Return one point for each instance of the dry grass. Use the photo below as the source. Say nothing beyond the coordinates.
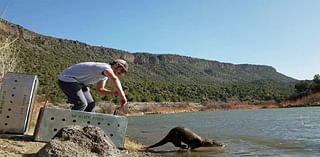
(132, 145)
(109, 108)
(149, 108)
(8, 57)
(105, 107)
(166, 109)
(40, 101)
(209, 106)
(310, 100)
(212, 106)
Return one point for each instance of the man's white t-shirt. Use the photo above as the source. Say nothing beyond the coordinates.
(86, 73)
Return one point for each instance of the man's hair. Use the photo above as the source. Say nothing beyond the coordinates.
(122, 63)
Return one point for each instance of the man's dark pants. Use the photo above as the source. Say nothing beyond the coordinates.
(79, 95)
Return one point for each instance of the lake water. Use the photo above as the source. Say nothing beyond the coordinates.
(292, 132)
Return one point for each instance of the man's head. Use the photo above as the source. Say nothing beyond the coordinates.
(119, 66)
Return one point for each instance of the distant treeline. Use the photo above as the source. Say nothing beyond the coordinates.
(48, 61)
(159, 91)
(306, 87)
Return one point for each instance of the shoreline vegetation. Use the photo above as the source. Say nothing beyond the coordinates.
(147, 108)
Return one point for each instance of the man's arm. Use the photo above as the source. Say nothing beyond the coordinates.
(117, 87)
(101, 90)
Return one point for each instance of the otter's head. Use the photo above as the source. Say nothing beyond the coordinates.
(211, 143)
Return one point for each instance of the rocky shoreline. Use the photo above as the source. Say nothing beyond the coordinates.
(24, 146)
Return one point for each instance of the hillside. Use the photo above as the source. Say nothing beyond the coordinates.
(151, 77)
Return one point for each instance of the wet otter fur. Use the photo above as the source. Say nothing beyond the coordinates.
(186, 139)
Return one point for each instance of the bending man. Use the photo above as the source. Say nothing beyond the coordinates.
(74, 82)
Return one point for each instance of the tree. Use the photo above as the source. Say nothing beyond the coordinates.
(316, 78)
(303, 86)
(8, 58)
(316, 83)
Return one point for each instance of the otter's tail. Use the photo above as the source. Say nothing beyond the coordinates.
(160, 143)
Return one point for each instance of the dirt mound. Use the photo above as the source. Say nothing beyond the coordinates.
(80, 141)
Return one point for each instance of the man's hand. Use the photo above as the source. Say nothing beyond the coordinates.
(123, 102)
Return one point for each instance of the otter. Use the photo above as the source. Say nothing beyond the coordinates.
(185, 138)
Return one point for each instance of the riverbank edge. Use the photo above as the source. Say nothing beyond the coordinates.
(140, 109)
(19, 148)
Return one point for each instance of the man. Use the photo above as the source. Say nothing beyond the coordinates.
(74, 82)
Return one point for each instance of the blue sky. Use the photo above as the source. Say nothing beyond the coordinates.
(284, 34)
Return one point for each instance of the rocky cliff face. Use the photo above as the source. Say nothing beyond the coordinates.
(16, 30)
(186, 66)
(148, 58)
(158, 77)
(137, 58)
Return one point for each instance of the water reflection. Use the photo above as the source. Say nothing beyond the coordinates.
(191, 153)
